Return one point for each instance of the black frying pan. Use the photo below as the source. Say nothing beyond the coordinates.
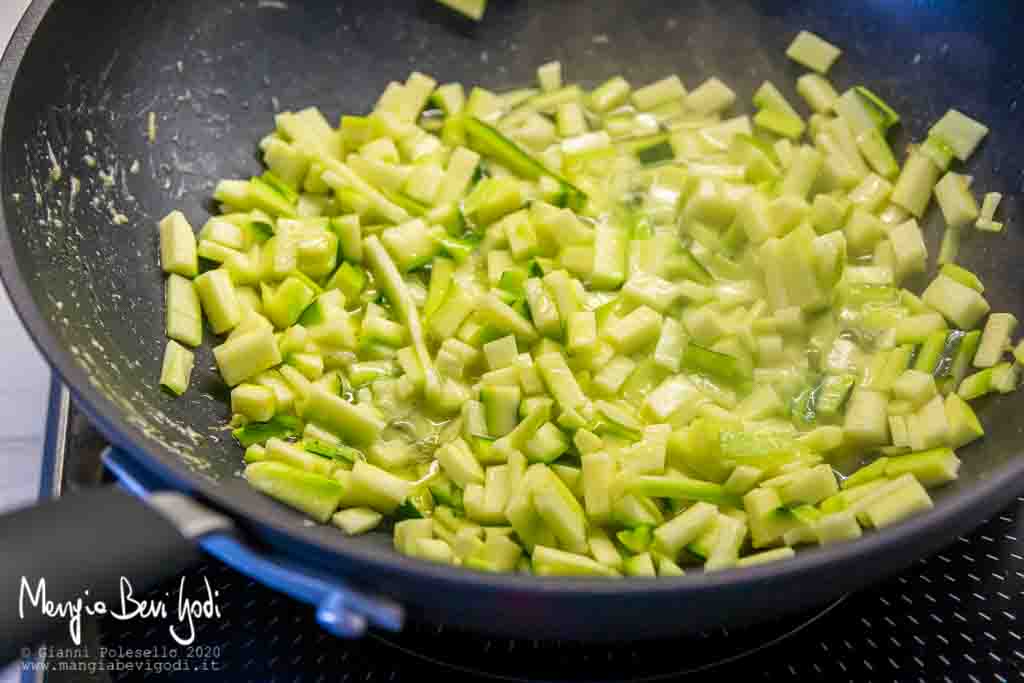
(89, 290)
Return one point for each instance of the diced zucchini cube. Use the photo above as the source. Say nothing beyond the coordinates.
(547, 444)
(424, 182)
(224, 232)
(582, 332)
(176, 368)
(288, 301)
(673, 394)
(658, 93)
(411, 244)
(995, 339)
(636, 331)
(549, 76)
(812, 51)
(253, 401)
(961, 305)
(1005, 377)
(836, 527)
(521, 235)
(566, 293)
(184, 317)
(356, 520)
(501, 406)
(913, 188)
(610, 94)
(357, 424)
(907, 500)
(610, 248)
(491, 199)
(286, 161)
(549, 561)
(909, 249)
(780, 123)
(710, 97)
(178, 245)
(964, 426)
(314, 494)
(915, 387)
(560, 511)
(928, 427)
(316, 254)
(931, 468)
(247, 355)
(829, 212)
(217, 295)
(866, 420)
(459, 464)
(962, 133)
(560, 381)
(611, 377)
(958, 205)
(501, 353)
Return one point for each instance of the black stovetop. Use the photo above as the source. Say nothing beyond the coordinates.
(952, 617)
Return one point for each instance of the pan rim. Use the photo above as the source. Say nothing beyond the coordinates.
(875, 551)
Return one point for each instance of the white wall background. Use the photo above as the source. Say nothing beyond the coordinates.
(24, 390)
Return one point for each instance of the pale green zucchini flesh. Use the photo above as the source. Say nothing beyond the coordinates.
(619, 332)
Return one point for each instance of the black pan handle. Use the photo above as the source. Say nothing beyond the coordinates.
(82, 545)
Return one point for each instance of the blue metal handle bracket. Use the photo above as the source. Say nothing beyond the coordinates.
(340, 609)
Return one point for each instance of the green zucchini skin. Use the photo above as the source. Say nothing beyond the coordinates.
(611, 332)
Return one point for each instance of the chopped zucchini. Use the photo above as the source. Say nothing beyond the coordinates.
(995, 339)
(177, 368)
(813, 52)
(962, 133)
(314, 494)
(578, 333)
(184, 317)
(357, 520)
(178, 245)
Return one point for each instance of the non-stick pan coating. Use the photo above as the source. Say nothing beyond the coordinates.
(82, 267)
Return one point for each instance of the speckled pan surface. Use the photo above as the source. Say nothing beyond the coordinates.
(80, 82)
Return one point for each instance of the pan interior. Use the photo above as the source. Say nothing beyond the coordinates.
(84, 182)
